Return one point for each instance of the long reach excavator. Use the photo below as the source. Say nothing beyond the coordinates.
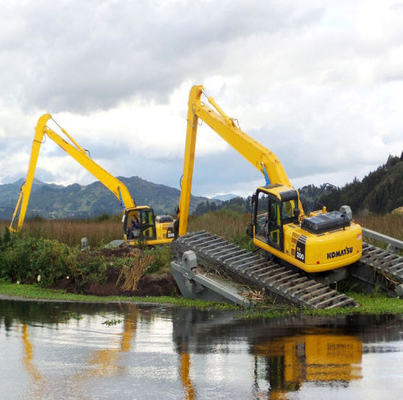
(140, 225)
(300, 251)
(319, 242)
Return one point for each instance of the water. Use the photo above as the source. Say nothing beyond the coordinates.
(124, 351)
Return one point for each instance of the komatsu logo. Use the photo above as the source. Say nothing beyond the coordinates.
(339, 253)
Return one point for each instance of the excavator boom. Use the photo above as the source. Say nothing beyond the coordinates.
(153, 231)
(80, 155)
(259, 156)
(319, 242)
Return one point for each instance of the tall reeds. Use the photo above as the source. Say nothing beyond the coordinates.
(72, 231)
(390, 224)
(227, 224)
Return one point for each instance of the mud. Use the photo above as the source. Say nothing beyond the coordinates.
(149, 285)
(162, 284)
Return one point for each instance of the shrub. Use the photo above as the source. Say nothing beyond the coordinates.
(161, 259)
(16, 259)
(53, 260)
(24, 258)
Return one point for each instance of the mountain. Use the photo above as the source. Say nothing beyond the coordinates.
(379, 192)
(77, 201)
(225, 197)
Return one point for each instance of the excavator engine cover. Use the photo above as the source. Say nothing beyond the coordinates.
(325, 222)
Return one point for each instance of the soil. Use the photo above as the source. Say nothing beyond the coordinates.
(149, 284)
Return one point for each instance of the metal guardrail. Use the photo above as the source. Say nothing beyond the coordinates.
(392, 243)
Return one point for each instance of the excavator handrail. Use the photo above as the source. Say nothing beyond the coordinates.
(259, 156)
(118, 188)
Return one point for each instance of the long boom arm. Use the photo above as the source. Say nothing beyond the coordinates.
(259, 156)
(80, 155)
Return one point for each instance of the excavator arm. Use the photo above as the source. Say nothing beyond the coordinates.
(319, 242)
(80, 155)
(259, 156)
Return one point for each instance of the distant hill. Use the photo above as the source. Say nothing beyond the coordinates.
(77, 201)
(379, 192)
(225, 197)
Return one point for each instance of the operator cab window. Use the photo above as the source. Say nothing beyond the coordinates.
(268, 220)
(288, 211)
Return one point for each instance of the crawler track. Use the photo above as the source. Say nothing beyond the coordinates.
(379, 268)
(279, 282)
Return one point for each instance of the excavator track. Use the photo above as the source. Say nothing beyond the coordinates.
(379, 268)
(281, 283)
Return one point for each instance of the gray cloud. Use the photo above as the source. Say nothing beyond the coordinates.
(318, 83)
(83, 56)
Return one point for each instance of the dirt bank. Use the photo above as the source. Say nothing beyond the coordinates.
(149, 285)
(157, 284)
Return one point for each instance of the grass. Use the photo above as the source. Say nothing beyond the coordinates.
(374, 304)
(72, 231)
(228, 224)
(391, 224)
(369, 304)
(34, 292)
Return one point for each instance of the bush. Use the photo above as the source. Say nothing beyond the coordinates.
(23, 259)
(161, 259)
(53, 260)
(16, 259)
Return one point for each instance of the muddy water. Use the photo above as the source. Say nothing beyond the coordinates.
(87, 351)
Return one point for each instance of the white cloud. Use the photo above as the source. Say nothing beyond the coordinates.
(317, 82)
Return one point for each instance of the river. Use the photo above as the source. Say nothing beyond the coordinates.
(52, 350)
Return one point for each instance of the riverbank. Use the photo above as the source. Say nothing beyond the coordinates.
(11, 291)
(374, 304)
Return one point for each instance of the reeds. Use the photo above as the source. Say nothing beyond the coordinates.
(390, 224)
(227, 224)
(72, 231)
(132, 274)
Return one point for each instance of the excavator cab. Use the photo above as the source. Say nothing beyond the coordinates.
(317, 243)
(153, 229)
(146, 224)
(272, 209)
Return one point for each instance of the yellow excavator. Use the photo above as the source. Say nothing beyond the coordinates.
(318, 242)
(140, 224)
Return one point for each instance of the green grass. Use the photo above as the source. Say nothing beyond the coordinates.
(369, 304)
(375, 304)
(34, 292)
(229, 225)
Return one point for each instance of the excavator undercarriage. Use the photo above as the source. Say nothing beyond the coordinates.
(377, 268)
(309, 252)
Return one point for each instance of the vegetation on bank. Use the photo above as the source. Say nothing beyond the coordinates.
(374, 304)
(36, 292)
(48, 250)
(29, 259)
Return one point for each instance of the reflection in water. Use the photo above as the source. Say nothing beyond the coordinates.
(189, 392)
(37, 383)
(287, 362)
(67, 351)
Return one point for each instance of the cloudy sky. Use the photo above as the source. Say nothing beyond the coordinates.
(319, 83)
